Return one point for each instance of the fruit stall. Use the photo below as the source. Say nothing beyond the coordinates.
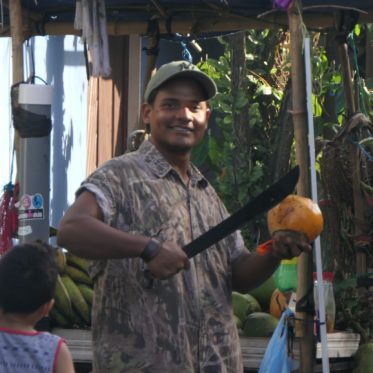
(256, 315)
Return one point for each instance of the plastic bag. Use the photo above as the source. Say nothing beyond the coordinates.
(276, 358)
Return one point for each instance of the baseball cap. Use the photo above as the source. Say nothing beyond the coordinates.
(180, 69)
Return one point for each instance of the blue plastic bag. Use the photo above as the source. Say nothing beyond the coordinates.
(276, 358)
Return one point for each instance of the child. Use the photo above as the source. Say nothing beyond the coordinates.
(28, 275)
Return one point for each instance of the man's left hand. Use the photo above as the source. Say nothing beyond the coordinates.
(287, 244)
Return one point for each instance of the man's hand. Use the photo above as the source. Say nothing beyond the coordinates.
(170, 260)
(287, 244)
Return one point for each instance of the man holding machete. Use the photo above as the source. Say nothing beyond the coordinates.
(133, 216)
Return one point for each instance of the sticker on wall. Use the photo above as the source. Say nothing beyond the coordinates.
(24, 231)
(31, 207)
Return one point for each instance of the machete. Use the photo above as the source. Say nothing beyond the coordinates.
(260, 204)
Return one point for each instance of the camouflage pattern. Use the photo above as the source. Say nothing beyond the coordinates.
(183, 324)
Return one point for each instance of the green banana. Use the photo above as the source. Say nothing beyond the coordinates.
(60, 259)
(77, 262)
(62, 299)
(87, 293)
(77, 300)
(78, 275)
(58, 318)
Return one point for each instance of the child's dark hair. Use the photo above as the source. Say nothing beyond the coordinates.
(28, 276)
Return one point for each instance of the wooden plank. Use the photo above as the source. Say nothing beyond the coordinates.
(118, 46)
(105, 121)
(92, 125)
(15, 17)
(200, 25)
(79, 342)
(134, 83)
(342, 345)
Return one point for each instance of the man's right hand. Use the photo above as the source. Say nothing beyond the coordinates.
(170, 260)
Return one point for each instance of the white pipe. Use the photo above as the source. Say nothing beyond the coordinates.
(311, 145)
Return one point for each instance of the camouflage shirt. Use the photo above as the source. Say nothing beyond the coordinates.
(185, 323)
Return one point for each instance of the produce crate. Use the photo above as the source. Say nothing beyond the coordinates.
(340, 345)
(79, 342)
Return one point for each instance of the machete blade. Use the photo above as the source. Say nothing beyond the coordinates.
(260, 204)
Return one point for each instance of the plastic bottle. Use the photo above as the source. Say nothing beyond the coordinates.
(286, 275)
(328, 278)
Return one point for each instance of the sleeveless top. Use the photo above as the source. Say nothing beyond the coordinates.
(29, 352)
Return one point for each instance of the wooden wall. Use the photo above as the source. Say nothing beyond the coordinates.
(114, 102)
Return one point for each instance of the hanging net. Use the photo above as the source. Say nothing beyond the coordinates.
(8, 216)
(338, 169)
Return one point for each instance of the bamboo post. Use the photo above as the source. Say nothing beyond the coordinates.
(359, 202)
(304, 314)
(15, 16)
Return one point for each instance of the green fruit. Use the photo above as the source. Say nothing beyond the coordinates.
(263, 293)
(78, 275)
(62, 299)
(87, 293)
(259, 324)
(58, 319)
(77, 299)
(254, 305)
(364, 359)
(243, 304)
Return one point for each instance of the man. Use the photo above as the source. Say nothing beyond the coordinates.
(133, 215)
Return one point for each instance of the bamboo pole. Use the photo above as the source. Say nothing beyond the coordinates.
(15, 16)
(304, 324)
(358, 198)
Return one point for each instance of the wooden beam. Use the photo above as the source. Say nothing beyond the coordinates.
(134, 84)
(15, 16)
(187, 26)
(92, 126)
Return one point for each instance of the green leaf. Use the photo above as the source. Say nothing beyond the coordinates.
(200, 151)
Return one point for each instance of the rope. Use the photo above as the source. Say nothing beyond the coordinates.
(364, 150)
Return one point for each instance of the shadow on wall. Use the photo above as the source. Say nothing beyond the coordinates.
(65, 67)
(61, 158)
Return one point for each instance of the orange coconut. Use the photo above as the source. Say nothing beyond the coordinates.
(296, 213)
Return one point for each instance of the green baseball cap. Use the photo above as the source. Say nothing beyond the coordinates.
(180, 69)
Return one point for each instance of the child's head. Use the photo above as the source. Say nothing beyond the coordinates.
(28, 275)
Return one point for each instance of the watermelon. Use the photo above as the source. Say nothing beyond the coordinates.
(364, 358)
(259, 324)
(244, 304)
(263, 293)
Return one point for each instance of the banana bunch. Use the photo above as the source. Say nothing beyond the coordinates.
(74, 292)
